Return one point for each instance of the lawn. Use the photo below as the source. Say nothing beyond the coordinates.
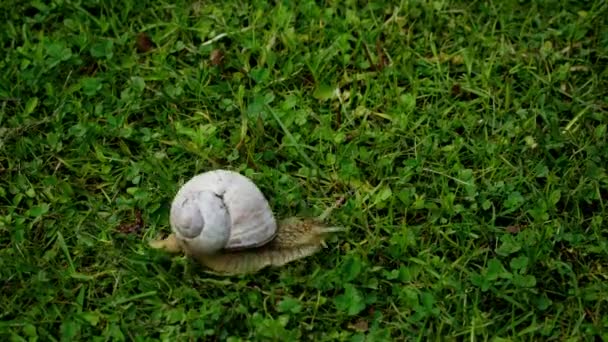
(467, 139)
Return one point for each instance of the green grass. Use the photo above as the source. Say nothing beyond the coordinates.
(469, 139)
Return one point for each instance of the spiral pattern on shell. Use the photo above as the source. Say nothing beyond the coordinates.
(221, 209)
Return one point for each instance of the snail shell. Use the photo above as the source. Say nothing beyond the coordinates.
(221, 210)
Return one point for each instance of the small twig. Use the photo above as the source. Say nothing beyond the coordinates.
(447, 176)
(329, 210)
(369, 57)
(222, 35)
(342, 110)
(574, 120)
(382, 61)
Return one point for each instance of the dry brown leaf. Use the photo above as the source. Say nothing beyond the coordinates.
(134, 227)
(514, 229)
(144, 42)
(217, 57)
(360, 325)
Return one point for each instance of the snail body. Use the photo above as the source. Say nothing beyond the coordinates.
(221, 219)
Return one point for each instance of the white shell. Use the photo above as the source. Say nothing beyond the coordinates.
(221, 209)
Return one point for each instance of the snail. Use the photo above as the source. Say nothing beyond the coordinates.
(221, 219)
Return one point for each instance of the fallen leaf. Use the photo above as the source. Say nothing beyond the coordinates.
(513, 229)
(134, 227)
(456, 89)
(576, 68)
(360, 326)
(457, 59)
(217, 57)
(144, 42)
